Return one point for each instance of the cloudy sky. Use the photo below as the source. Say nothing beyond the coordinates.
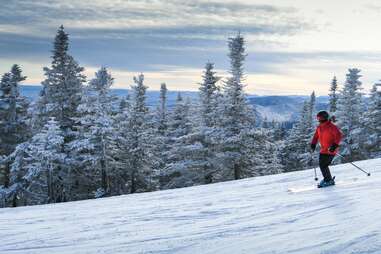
(293, 46)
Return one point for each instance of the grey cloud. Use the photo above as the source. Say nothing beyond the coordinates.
(232, 7)
(193, 31)
(184, 32)
(47, 13)
(139, 53)
(38, 12)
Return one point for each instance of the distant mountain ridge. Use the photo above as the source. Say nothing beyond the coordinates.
(281, 108)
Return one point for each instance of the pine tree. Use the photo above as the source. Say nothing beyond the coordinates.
(296, 151)
(162, 110)
(92, 149)
(137, 153)
(235, 121)
(121, 179)
(36, 175)
(296, 142)
(311, 112)
(206, 123)
(161, 133)
(124, 104)
(209, 94)
(372, 123)
(60, 97)
(62, 88)
(333, 96)
(349, 112)
(14, 127)
(279, 131)
(179, 171)
(236, 110)
(262, 153)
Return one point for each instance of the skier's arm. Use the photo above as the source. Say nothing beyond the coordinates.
(314, 141)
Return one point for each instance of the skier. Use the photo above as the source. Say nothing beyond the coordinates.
(329, 137)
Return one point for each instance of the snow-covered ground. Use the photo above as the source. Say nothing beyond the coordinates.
(254, 215)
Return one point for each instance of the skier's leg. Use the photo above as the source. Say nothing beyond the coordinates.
(329, 161)
(324, 161)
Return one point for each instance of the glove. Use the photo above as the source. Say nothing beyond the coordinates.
(313, 147)
(333, 147)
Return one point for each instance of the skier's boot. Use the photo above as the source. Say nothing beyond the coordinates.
(324, 183)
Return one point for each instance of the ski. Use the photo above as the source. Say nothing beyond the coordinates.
(314, 187)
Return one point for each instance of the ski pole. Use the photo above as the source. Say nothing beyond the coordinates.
(368, 173)
(316, 178)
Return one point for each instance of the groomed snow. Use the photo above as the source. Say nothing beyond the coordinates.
(254, 215)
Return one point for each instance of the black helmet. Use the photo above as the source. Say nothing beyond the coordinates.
(323, 115)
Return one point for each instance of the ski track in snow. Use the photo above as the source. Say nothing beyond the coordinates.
(255, 215)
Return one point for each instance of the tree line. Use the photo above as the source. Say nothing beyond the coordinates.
(78, 141)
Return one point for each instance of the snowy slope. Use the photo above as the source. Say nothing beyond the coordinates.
(255, 215)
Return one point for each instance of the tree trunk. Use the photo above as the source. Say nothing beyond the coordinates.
(133, 181)
(104, 175)
(7, 173)
(14, 201)
(103, 166)
(237, 172)
(12, 109)
(49, 186)
(208, 176)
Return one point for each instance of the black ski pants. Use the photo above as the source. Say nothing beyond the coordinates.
(324, 161)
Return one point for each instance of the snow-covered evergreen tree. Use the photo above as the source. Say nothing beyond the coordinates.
(62, 88)
(179, 171)
(36, 173)
(94, 145)
(162, 110)
(333, 96)
(14, 127)
(205, 125)
(297, 142)
(296, 153)
(137, 143)
(60, 97)
(349, 112)
(262, 153)
(124, 104)
(277, 130)
(120, 157)
(311, 112)
(209, 94)
(161, 133)
(372, 123)
(236, 120)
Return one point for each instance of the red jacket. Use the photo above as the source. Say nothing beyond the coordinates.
(327, 134)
